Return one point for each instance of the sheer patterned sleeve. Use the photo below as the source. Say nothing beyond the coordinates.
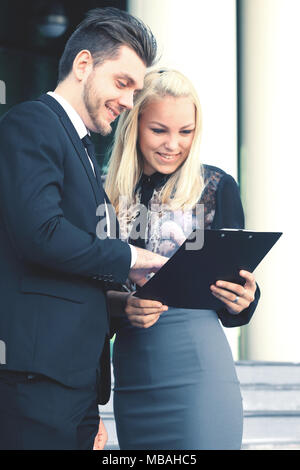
(229, 210)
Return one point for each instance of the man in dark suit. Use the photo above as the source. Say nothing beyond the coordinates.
(54, 269)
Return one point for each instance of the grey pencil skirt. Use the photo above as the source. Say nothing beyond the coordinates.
(176, 386)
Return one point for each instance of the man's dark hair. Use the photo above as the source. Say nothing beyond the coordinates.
(102, 32)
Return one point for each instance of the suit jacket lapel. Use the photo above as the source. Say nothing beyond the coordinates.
(78, 145)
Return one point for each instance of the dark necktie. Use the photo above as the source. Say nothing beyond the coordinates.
(91, 153)
(87, 142)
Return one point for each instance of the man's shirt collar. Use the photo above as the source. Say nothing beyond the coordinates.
(72, 114)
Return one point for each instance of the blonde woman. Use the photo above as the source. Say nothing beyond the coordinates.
(175, 380)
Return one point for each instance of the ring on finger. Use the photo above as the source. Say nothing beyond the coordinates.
(235, 301)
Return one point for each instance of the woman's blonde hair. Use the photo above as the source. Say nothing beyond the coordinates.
(185, 185)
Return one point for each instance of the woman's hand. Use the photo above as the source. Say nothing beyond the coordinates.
(236, 297)
(143, 313)
(101, 437)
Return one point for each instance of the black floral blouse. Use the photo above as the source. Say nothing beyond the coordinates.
(165, 230)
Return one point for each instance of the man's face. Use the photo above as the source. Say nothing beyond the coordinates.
(109, 89)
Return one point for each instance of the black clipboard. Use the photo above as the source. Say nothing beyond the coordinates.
(184, 281)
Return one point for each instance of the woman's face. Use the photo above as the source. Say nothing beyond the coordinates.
(166, 132)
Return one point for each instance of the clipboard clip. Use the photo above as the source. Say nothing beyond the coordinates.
(236, 230)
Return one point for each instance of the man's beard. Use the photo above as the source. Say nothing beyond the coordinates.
(93, 104)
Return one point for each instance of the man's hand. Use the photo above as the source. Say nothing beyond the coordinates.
(143, 313)
(146, 263)
(101, 437)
